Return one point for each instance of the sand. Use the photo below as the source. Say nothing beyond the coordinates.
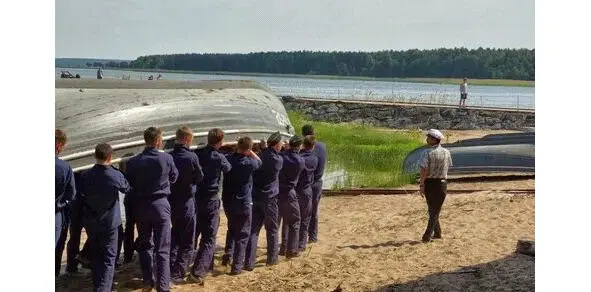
(371, 243)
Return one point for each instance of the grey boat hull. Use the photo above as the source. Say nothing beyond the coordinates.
(493, 153)
(117, 112)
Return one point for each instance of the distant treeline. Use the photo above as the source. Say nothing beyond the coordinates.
(518, 64)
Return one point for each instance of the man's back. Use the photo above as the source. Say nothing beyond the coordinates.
(266, 178)
(321, 153)
(99, 195)
(307, 175)
(213, 163)
(190, 173)
(238, 181)
(293, 165)
(64, 184)
(151, 173)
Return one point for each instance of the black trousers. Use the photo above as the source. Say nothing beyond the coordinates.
(435, 192)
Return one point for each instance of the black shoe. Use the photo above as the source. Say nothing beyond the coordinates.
(272, 263)
(281, 252)
(249, 268)
(235, 272)
(195, 279)
(312, 240)
(291, 255)
(436, 237)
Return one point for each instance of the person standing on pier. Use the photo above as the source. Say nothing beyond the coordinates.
(65, 192)
(304, 188)
(101, 215)
(213, 163)
(463, 93)
(321, 153)
(182, 203)
(433, 183)
(265, 203)
(151, 174)
(289, 208)
(237, 200)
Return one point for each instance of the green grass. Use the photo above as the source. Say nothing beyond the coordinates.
(485, 82)
(371, 158)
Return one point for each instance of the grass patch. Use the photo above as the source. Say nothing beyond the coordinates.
(370, 157)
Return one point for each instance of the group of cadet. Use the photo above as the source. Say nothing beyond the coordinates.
(173, 199)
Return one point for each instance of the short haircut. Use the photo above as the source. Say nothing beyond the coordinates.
(309, 141)
(102, 151)
(307, 130)
(151, 135)
(215, 136)
(244, 143)
(183, 133)
(295, 142)
(60, 137)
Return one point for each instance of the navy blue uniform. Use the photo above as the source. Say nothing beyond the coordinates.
(150, 174)
(237, 199)
(320, 152)
(265, 207)
(101, 217)
(305, 194)
(65, 192)
(213, 163)
(289, 207)
(182, 201)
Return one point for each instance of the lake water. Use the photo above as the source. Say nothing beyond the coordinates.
(486, 96)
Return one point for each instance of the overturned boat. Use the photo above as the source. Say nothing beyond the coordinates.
(496, 153)
(117, 112)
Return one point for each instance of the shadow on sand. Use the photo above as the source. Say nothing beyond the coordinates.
(512, 273)
(390, 243)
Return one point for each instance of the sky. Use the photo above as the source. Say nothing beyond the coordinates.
(127, 29)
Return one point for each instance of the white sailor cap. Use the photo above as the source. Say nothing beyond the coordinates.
(435, 134)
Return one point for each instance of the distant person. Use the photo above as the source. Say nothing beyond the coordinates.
(65, 192)
(433, 184)
(159, 76)
(182, 203)
(150, 174)
(265, 203)
(99, 198)
(321, 153)
(237, 200)
(213, 163)
(304, 188)
(289, 207)
(99, 73)
(463, 93)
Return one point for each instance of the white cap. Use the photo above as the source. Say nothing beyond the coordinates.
(435, 134)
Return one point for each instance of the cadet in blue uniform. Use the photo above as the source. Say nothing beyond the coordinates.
(150, 174)
(237, 198)
(65, 191)
(213, 163)
(265, 205)
(289, 208)
(304, 188)
(320, 152)
(182, 202)
(129, 244)
(101, 215)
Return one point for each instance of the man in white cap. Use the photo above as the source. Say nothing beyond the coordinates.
(434, 165)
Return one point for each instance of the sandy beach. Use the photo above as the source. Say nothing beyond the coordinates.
(372, 243)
